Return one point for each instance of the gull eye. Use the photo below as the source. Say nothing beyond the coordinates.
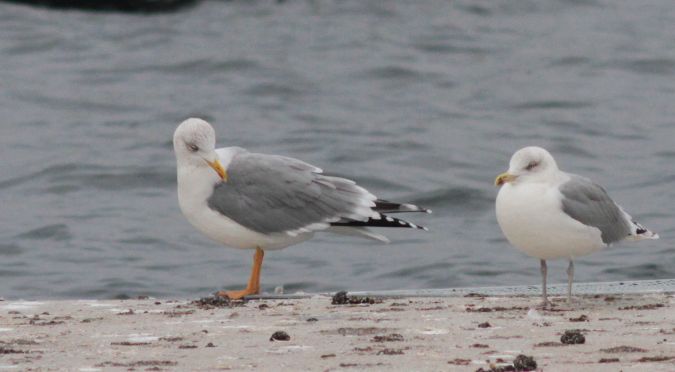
(531, 165)
(192, 147)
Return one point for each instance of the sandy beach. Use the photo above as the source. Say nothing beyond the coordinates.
(466, 333)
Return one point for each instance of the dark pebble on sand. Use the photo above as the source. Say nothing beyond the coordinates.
(524, 363)
(213, 302)
(394, 337)
(484, 325)
(280, 336)
(390, 352)
(210, 344)
(341, 298)
(572, 337)
(581, 318)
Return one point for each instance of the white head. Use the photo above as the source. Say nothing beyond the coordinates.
(529, 163)
(194, 143)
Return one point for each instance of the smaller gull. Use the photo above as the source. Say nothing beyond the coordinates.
(265, 202)
(548, 214)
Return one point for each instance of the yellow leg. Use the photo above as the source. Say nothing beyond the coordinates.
(253, 286)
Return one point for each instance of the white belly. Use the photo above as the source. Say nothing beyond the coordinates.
(532, 220)
(225, 231)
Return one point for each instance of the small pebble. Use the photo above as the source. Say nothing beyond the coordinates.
(341, 298)
(524, 363)
(280, 336)
(581, 318)
(572, 337)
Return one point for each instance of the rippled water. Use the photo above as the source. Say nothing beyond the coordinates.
(418, 102)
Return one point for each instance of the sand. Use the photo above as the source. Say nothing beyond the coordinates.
(464, 333)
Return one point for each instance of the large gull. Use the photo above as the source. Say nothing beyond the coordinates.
(548, 214)
(264, 202)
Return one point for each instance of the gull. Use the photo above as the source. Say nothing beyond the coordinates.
(549, 214)
(266, 202)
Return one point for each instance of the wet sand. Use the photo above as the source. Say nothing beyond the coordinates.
(465, 333)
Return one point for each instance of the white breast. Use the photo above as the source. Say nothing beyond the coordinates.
(531, 217)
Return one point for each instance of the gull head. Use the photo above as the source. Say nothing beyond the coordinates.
(528, 164)
(194, 143)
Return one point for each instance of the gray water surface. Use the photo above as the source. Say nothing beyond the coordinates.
(421, 102)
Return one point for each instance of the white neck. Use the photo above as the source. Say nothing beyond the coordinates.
(193, 194)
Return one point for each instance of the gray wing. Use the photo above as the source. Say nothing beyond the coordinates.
(589, 204)
(274, 194)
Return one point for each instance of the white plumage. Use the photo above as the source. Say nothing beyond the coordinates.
(264, 202)
(549, 214)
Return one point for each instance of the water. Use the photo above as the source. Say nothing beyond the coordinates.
(417, 102)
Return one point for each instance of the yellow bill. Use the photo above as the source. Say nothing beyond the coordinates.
(218, 168)
(504, 178)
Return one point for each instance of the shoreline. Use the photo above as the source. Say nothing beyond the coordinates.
(465, 332)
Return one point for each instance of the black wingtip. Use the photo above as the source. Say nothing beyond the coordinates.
(383, 221)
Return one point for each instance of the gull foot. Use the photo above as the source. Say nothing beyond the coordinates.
(236, 295)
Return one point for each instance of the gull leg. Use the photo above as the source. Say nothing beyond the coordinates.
(258, 257)
(544, 297)
(253, 286)
(570, 279)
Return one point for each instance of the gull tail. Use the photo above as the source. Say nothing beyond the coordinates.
(349, 226)
(639, 232)
(358, 231)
